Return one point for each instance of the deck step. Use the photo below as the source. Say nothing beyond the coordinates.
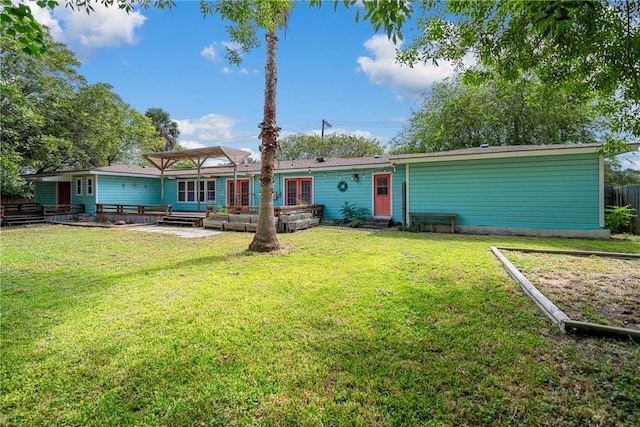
(22, 220)
(182, 221)
(375, 223)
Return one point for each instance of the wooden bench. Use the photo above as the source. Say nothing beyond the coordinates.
(427, 215)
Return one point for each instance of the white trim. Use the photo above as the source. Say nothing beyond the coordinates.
(75, 187)
(96, 190)
(373, 195)
(90, 187)
(601, 190)
(406, 195)
(497, 155)
(196, 190)
(133, 175)
(360, 168)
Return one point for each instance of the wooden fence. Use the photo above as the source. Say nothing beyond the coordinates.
(623, 195)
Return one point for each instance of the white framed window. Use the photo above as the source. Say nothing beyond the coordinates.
(79, 187)
(187, 191)
(89, 186)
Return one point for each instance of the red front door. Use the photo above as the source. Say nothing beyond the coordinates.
(64, 193)
(382, 195)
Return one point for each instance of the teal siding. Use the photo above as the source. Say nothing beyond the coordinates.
(128, 190)
(325, 190)
(89, 201)
(545, 192)
(170, 192)
(46, 193)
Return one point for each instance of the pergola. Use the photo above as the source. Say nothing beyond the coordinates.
(165, 159)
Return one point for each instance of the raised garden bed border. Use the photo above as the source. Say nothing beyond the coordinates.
(556, 315)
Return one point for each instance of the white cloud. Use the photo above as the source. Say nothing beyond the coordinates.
(231, 45)
(207, 130)
(82, 32)
(209, 52)
(255, 155)
(44, 17)
(382, 69)
(188, 145)
(211, 130)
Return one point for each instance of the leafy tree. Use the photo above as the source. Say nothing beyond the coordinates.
(17, 22)
(312, 146)
(247, 18)
(590, 48)
(52, 120)
(615, 175)
(37, 101)
(110, 131)
(495, 112)
(166, 128)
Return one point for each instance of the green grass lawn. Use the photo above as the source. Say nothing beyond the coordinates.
(342, 327)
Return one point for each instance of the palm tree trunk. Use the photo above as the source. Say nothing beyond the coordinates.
(265, 239)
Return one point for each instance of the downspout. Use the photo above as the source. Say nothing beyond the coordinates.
(601, 206)
(407, 201)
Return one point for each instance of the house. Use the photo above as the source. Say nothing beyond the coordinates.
(549, 190)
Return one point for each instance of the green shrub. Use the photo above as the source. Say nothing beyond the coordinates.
(618, 219)
(353, 216)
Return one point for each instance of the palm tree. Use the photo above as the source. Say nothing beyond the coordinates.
(166, 128)
(248, 16)
(265, 239)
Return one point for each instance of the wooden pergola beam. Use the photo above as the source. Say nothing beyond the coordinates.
(165, 159)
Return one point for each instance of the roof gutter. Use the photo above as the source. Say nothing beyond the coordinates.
(439, 157)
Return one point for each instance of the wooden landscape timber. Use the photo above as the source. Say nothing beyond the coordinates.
(558, 317)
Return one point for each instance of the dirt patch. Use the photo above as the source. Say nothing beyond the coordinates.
(591, 289)
(184, 232)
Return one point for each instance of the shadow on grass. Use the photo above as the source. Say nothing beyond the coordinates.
(35, 302)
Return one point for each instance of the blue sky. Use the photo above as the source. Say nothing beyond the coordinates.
(329, 67)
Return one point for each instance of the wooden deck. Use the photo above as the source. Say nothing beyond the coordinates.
(23, 214)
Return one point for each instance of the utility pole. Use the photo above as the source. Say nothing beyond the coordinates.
(324, 123)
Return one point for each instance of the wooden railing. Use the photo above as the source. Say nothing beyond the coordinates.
(18, 209)
(62, 209)
(316, 210)
(228, 209)
(133, 209)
